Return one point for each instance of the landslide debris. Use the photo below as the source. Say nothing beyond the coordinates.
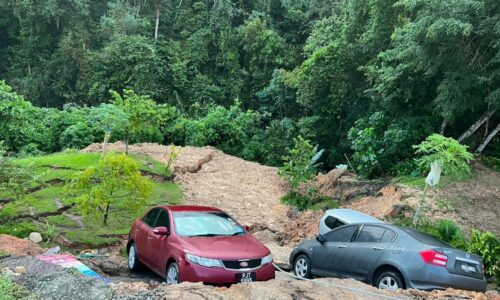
(18, 247)
(51, 282)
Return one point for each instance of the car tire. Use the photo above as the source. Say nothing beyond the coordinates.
(173, 275)
(302, 266)
(389, 280)
(133, 258)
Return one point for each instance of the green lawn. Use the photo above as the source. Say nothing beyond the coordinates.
(56, 169)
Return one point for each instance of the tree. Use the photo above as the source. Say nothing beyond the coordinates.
(107, 118)
(143, 116)
(115, 184)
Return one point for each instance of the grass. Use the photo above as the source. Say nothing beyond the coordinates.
(10, 290)
(62, 166)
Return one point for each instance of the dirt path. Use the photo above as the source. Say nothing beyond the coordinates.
(247, 190)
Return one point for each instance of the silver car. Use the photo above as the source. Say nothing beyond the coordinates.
(388, 257)
(334, 218)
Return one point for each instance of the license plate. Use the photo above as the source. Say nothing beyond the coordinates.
(468, 267)
(246, 277)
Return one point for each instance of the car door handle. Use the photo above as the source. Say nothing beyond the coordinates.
(377, 248)
(150, 237)
(341, 246)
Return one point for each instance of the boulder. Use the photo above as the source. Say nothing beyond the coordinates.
(35, 237)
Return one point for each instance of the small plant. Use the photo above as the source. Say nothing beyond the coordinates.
(487, 245)
(116, 184)
(300, 165)
(10, 290)
(14, 179)
(173, 153)
(50, 231)
(452, 155)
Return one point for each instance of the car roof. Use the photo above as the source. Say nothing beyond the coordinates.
(351, 216)
(189, 208)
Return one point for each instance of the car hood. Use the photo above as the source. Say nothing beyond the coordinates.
(225, 247)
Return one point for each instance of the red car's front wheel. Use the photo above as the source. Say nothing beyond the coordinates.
(172, 273)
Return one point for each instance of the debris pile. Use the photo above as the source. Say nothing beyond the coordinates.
(18, 247)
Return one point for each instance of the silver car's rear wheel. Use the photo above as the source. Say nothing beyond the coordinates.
(172, 274)
(389, 281)
(302, 267)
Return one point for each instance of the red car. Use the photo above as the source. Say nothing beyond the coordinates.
(197, 243)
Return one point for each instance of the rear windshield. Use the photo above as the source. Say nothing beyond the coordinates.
(425, 238)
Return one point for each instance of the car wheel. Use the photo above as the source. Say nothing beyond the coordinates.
(133, 259)
(302, 266)
(389, 281)
(172, 274)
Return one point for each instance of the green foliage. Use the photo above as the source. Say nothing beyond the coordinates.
(100, 188)
(300, 163)
(9, 290)
(143, 116)
(453, 156)
(76, 136)
(18, 229)
(15, 180)
(487, 245)
(312, 201)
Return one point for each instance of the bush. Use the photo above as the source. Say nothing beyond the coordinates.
(76, 136)
(487, 245)
(312, 201)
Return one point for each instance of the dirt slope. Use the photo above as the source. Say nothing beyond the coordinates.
(248, 191)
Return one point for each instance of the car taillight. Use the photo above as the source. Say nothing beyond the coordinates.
(434, 258)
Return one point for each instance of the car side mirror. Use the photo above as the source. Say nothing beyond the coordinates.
(246, 227)
(162, 230)
(320, 238)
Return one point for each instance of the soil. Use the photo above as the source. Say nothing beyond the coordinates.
(251, 193)
(18, 247)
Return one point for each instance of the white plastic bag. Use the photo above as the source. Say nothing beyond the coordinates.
(435, 173)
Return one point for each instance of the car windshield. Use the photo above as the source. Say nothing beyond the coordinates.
(205, 224)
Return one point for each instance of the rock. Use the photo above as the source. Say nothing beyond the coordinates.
(35, 237)
(53, 251)
(19, 269)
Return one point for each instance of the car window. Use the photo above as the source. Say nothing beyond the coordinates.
(333, 223)
(342, 234)
(150, 218)
(370, 234)
(388, 236)
(425, 238)
(163, 220)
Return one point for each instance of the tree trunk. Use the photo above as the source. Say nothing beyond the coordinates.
(157, 24)
(107, 135)
(126, 145)
(443, 127)
(476, 125)
(106, 213)
(488, 139)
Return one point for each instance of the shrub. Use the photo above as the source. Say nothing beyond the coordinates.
(453, 156)
(487, 245)
(76, 136)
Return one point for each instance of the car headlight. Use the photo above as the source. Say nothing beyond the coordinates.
(267, 259)
(203, 261)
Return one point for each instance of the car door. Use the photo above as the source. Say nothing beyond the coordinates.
(159, 250)
(366, 250)
(143, 229)
(330, 257)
